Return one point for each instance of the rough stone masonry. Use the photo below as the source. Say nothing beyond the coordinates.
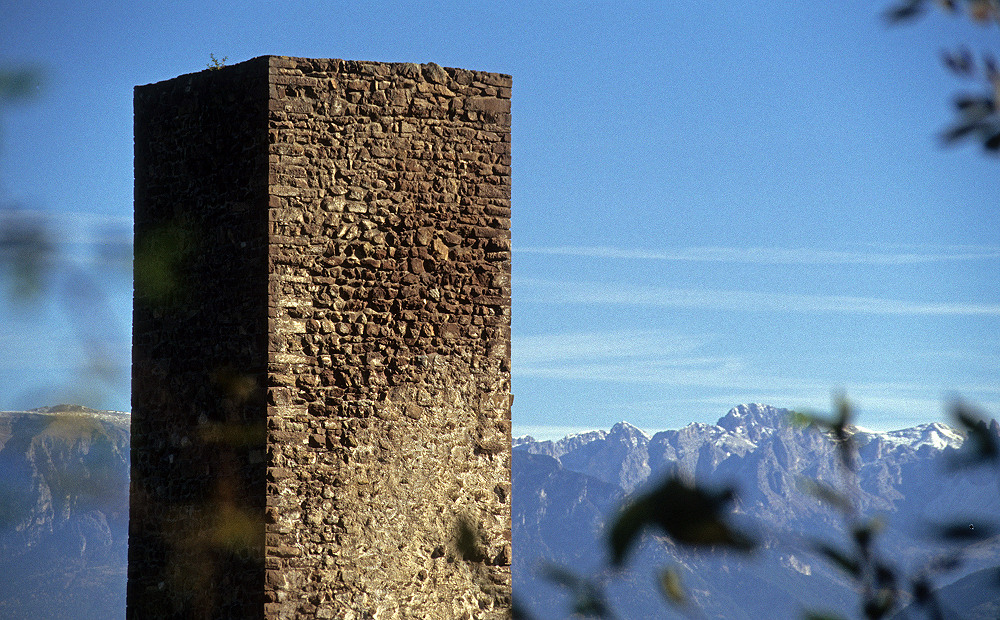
(321, 346)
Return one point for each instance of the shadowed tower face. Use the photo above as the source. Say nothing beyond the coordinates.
(321, 347)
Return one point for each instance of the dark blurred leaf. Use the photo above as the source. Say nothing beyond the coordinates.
(981, 105)
(923, 596)
(864, 535)
(687, 514)
(844, 441)
(562, 577)
(587, 599)
(945, 563)
(237, 387)
(880, 604)
(19, 83)
(990, 67)
(27, 253)
(517, 612)
(921, 590)
(981, 443)
(992, 143)
(801, 419)
(159, 256)
(840, 427)
(848, 564)
(959, 131)
(885, 577)
(959, 62)
(628, 525)
(964, 531)
(904, 11)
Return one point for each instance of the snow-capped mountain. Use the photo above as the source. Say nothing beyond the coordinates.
(564, 492)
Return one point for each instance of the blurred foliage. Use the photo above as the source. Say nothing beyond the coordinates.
(38, 266)
(981, 444)
(977, 114)
(695, 517)
(688, 514)
(159, 257)
(27, 254)
(586, 597)
(215, 63)
(19, 84)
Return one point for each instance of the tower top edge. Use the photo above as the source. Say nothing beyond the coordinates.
(275, 64)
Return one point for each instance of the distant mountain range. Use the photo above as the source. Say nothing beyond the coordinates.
(64, 515)
(564, 492)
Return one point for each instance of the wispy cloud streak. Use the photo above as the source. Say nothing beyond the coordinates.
(775, 256)
(741, 301)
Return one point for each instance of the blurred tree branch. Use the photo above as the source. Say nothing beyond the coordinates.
(977, 114)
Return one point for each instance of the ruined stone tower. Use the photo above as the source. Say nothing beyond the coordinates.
(321, 347)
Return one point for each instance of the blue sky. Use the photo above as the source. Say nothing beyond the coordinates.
(713, 203)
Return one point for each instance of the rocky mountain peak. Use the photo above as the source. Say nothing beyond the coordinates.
(626, 433)
(753, 417)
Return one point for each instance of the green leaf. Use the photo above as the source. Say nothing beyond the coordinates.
(687, 514)
(670, 585)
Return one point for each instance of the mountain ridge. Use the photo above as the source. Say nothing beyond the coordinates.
(902, 478)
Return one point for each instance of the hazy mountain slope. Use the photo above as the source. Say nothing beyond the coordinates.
(63, 513)
(64, 500)
(901, 478)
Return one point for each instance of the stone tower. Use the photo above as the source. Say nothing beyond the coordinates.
(321, 346)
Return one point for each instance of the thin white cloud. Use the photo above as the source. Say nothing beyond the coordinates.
(741, 301)
(700, 386)
(623, 344)
(776, 256)
(622, 356)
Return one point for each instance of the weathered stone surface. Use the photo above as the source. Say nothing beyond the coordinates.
(361, 288)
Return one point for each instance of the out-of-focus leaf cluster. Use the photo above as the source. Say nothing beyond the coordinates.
(982, 11)
(27, 254)
(839, 428)
(586, 597)
(882, 587)
(688, 514)
(977, 114)
(981, 444)
(19, 84)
